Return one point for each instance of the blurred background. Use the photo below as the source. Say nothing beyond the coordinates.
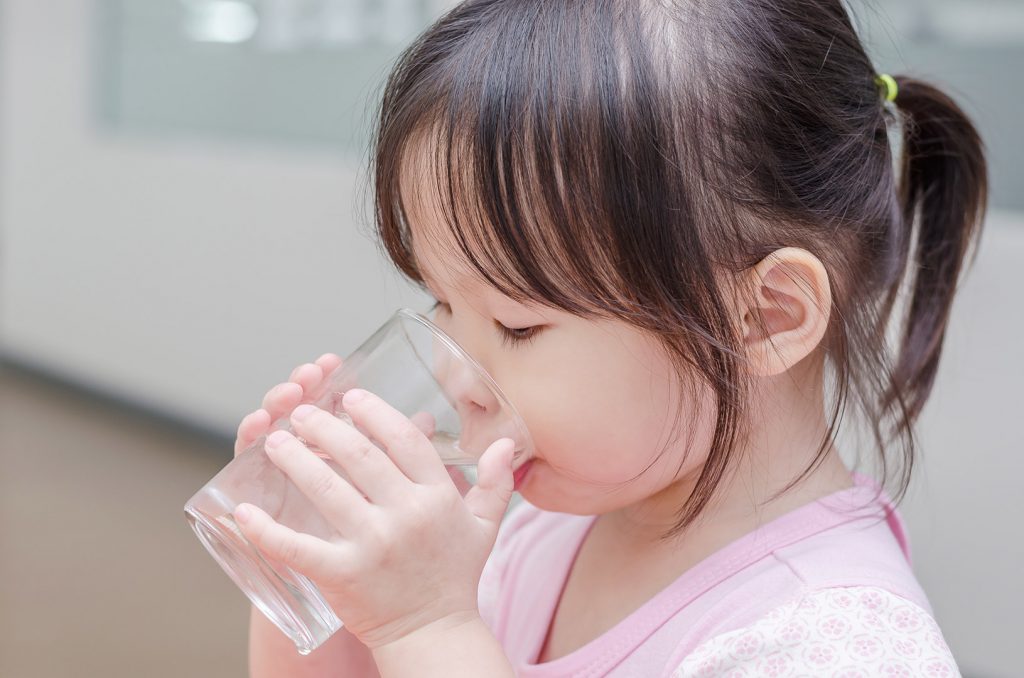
(183, 220)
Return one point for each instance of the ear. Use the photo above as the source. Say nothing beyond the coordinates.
(784, 306)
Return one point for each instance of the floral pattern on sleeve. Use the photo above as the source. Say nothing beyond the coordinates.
(849, 632)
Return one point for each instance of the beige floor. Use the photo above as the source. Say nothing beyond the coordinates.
(100, 574)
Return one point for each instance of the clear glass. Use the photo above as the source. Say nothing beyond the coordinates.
(420, 371)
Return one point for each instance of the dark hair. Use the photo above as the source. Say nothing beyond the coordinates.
(607, 157)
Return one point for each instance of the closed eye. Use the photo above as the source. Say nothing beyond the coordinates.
(513, 336)
(516, 336)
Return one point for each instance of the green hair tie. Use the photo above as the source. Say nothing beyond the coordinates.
(889, 82)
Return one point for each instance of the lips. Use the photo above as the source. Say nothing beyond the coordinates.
(520, 474)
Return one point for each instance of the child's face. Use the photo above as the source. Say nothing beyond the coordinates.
(597, 396)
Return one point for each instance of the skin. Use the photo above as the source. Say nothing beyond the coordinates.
(464, 641)
(271, 653)
(575, 376)
(594, 448)
(588, 392)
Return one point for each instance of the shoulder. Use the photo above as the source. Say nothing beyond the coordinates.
(867, 545)
(846, 632)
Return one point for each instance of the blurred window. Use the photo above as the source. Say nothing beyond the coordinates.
(297, 72)
(307, 72)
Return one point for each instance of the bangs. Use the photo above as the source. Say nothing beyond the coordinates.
(546, 182)
(491, 218)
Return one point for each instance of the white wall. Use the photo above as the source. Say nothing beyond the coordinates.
(966, 506)
(191, 277)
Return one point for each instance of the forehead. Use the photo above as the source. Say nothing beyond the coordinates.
(440, 221)
(441, 263)
(433, 243)
(441, 268)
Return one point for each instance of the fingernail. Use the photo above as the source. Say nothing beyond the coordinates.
(510, 448)
(276, 438)
(355, 395)
(303, 411)
(243, 513)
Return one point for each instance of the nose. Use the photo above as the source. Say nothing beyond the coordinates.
(481, 418)
(467, 391)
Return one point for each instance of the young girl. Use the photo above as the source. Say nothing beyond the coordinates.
(673, 232)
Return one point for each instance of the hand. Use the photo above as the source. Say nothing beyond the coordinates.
(283, 398)
(304, 380)
(411, 548)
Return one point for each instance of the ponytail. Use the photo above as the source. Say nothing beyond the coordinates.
(943, 184)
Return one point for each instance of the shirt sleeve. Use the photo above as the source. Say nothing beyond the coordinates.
(848, 632)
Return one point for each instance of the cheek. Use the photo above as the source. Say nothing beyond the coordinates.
(592, 464)
(600, 415)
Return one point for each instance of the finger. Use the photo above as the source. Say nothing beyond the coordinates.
(252, 426)
(328, 362)
(459, 479)
(339, 503)
(314, 377)
(405, 443)
(307, 375)
(489, 498)
(425, 422)
(305, 553)
(366, 465)
(282, 399)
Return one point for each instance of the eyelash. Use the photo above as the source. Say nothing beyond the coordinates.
(509, 336)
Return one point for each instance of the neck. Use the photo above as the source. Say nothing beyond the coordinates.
(786, 432)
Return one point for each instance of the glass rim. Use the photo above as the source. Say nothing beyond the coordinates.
(453, 346)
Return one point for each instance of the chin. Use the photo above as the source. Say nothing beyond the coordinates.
(543, 502)
(551, 499)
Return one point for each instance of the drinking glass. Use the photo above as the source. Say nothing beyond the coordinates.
(420, 371)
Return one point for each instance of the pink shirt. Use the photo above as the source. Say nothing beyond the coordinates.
(824, 590)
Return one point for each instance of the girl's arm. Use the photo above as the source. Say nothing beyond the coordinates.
(456, 648)
(273, 655)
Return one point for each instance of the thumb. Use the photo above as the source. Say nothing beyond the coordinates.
(489, 498)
